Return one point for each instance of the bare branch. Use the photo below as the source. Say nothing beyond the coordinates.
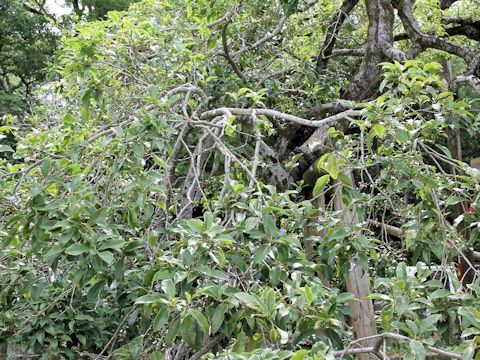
(347, 114)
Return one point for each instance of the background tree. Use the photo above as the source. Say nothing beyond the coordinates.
(27, 44)
(97, 9)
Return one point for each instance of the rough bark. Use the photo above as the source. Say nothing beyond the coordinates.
(380, 48)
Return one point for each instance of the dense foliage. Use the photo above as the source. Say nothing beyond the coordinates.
(193, 185)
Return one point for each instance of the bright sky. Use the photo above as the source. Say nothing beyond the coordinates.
(58, 7)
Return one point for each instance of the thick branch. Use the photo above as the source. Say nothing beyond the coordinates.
(445, 4)
(468, 28)
(282, 116)
(422, 41)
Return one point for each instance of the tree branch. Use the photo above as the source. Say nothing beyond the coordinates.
(347, 114)
(226, 52)
(263, 40)
(332, 33)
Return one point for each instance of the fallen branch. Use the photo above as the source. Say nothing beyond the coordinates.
(393, 336)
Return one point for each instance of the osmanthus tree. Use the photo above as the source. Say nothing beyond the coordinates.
(209, 179)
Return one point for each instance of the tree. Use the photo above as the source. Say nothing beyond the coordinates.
(212, 179)
(97, 9)
(27, 44)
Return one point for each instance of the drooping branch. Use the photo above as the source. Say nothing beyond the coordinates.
(226, 52)
(263, 40)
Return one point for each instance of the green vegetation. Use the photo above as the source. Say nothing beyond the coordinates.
(209, 179)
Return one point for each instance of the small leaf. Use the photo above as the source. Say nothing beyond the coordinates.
(379, 130)
(320, 184)
(6, 148)
(401, 136)
(149, 299)
(201, 320)
(418, 349)
(168, 288)
(260, 253)
(77, 249)
(218, 317)
(106, 256)
(161, 319)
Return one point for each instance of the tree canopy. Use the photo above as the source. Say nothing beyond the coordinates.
(285, 179)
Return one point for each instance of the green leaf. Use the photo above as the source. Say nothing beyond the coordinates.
(240, 343)
(160, 319)
(6, 148)
(201, 320)
(260, 253)
(270, 225)
(249, 300)
(469, 352)
(320, 184)
(156, 355)
(218, 317)
(300, 355)
(401, 136)
(418, 349)
(77, 249)
(149, 299)
(379, 130)
(188, 331)
(115, 244)
(332, 166)
(172, 332)
(428, 323)
(168, 288)
(106, 256)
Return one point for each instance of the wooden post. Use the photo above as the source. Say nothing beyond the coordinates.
(312, 229)
(358, 283)
(454, 144)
